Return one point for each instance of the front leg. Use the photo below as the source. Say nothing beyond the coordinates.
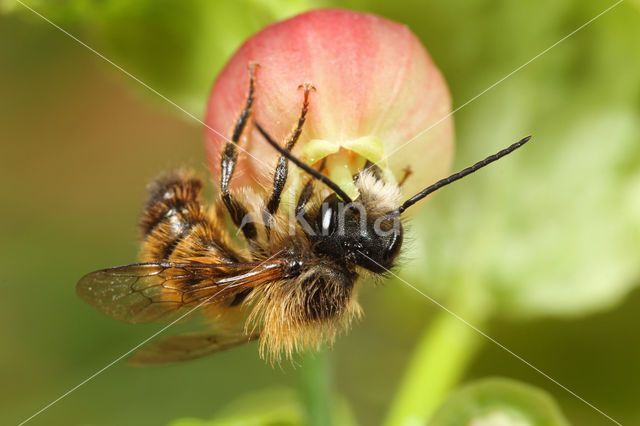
(307, 192)
(229, 160)
(280, 176)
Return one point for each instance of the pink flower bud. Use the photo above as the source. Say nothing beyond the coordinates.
(376, 89)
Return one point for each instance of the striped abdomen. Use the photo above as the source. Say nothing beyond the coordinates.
(175, 225)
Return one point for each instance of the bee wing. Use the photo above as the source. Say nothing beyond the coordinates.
(145, 292)
(187, 346)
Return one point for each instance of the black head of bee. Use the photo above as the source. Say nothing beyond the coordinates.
(344, 230)
(349, 232)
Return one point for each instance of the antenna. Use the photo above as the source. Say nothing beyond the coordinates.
(462, 173)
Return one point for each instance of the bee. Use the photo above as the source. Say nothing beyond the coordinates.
(293, 286)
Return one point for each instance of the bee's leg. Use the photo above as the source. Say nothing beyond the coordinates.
(305, 196)
(228, 164)
(280, 176)
(307, 192)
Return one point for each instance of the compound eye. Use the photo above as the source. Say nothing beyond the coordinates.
(328, 218)
(393, 248)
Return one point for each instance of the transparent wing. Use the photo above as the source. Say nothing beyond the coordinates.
(187, 346)
(145, 292)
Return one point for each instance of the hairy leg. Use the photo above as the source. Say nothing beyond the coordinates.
(230, 158)
(307, 192)
(280, 176)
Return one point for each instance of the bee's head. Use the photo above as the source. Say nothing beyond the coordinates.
(367, 231)
(357, 234)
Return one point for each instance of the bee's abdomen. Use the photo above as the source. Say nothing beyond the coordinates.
(170, 197)
(175, 225)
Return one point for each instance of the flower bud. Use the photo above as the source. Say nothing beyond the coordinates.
(376, 89)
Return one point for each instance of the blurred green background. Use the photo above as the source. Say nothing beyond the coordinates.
(540, 252)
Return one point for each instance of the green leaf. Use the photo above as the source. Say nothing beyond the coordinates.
(499, 401)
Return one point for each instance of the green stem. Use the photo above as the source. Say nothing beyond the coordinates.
(439, 361)
(315, 386)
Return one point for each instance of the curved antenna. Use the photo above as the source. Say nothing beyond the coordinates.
(462, 173)
(314, 173)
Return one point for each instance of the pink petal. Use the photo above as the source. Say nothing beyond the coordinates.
(373, 78)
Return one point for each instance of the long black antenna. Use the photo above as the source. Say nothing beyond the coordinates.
(462, 173)
(314, 173)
